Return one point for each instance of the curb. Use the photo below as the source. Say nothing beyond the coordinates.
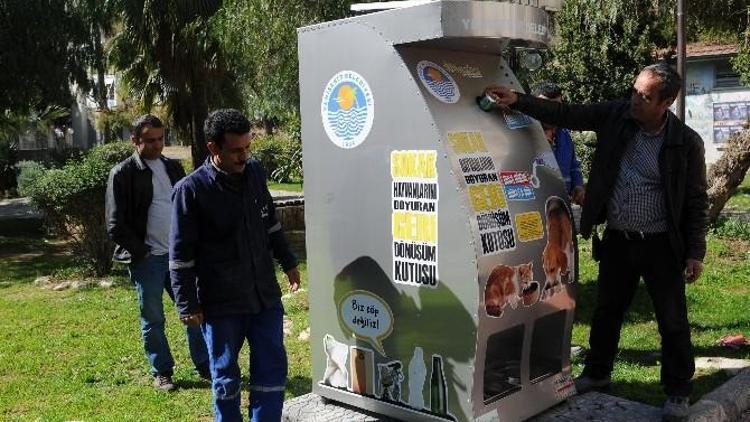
(725, 403)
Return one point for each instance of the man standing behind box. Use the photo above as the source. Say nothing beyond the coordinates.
(648, 181)
(138, 210)
(223, 241)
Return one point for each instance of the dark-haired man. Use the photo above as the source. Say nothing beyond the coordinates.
(648, 182)
(562, 145)
(138, 209)
(224, 238)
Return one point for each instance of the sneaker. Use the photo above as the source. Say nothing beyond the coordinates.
(585, 383)
(675, 409)
(204, 371)
(164, 383)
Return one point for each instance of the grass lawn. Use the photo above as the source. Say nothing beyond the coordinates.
(77, 355)
(289, 187)
(741, 199)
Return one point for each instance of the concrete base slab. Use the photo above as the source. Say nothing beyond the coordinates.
(600, 407)
(730, 366)
(587, 407)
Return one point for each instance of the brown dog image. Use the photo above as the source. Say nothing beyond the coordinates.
(509, 285)
(557, 258)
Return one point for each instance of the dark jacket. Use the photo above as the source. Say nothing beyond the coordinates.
(129, 194)
(681, 164)
(223, 240)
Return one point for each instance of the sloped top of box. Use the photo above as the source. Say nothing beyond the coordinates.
(454, 19)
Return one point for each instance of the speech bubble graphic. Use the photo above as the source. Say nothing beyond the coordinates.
(367, 317)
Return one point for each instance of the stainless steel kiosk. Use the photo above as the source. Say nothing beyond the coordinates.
(440, 245)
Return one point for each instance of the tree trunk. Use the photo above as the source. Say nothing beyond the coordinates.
(199, 113)
(726, 174)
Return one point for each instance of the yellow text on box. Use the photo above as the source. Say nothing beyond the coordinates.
(487, 197)
(415, 227)
(529, 226)
(466, 142)
(414, 164)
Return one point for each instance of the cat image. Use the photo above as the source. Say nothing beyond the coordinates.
(508, 285)
(558, 257)
(336, 374)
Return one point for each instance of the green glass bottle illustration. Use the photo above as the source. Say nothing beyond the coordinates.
(438, 398)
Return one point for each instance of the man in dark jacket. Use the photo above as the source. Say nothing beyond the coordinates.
(224, 238)
(138, 212)
(648, 182)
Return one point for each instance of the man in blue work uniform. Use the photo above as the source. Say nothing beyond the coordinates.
(562, 145)
(224, 239)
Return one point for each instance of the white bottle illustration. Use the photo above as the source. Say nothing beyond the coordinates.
(417, 377)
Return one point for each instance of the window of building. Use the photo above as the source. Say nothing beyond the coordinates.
(725, 76)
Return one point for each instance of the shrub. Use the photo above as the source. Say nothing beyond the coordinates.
(72, 199)
(585, 143)
(281, 157)
(28, 173)
(732, 228)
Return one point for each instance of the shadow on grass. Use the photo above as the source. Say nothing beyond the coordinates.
(652, 393)
(299, 385)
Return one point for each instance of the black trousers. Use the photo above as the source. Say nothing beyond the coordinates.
(623, 262)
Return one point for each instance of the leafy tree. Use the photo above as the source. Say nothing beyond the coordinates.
(167, 53)
(39, 57)
(600, 46)
(261, 38)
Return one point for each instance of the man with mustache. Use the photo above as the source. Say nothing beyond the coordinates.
(224, 240)
(648, 182)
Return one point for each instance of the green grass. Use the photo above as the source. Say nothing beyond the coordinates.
(740, 201)
(289, 187)
(718, 304)
(77, 355)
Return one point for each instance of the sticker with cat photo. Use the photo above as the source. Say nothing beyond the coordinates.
(508, 286)
(558, 257)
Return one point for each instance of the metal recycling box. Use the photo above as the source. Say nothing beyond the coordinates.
(440, 245)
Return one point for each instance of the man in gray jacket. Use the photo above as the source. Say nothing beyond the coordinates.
(648, 182)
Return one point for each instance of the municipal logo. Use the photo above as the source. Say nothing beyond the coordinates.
(438, 81)
(347, 109)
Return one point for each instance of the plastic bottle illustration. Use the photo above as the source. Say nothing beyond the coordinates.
(417, 377)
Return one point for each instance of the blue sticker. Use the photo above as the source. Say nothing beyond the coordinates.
(517, 120)
(519, 193)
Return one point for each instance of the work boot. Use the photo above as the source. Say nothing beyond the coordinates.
(675, 409)
(164, 383)
(585, 383)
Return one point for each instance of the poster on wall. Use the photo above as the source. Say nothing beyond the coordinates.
(729, 117)
(414, 218)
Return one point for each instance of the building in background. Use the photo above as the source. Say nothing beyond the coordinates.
(716, 102)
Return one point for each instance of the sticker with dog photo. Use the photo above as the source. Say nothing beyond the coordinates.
(509, 286)
(558, 255)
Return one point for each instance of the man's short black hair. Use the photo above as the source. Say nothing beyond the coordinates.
(136, 128)
(548, 89)
(669, 79)
(222, 121)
